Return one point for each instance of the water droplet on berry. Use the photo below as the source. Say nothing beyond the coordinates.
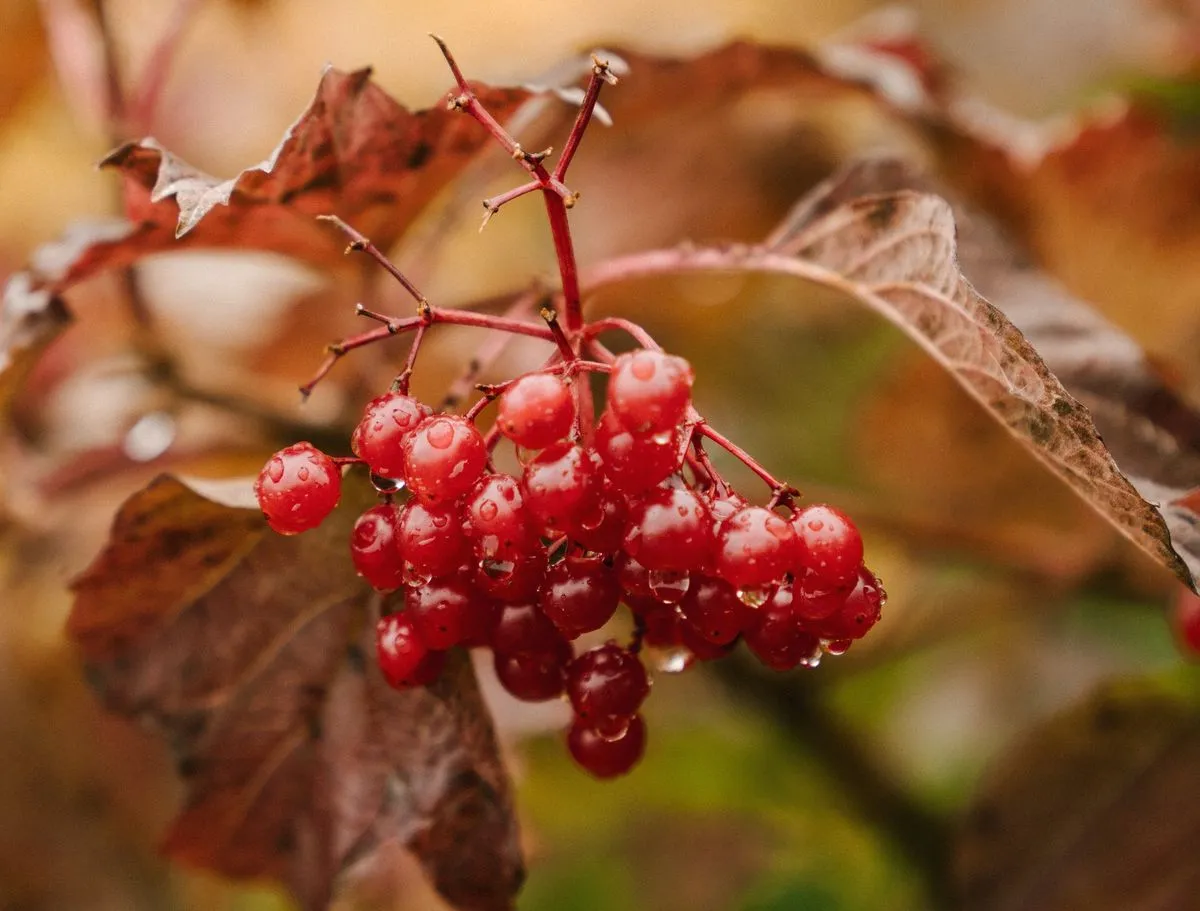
(275, 469)
(440, 519)
(613, 729)
(643, 368)
(488, 510)
(302, 474)
(835, 647)
(592, 519)
(386, 485)
(813, 660)
(668, 586)
(815, 524)
(440, 434)
(674, 661)
(663, 437)
(499, 570)
(413, 578)
(754, 597)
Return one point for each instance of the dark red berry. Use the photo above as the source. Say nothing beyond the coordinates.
(859, 612)
(404, 659)
(650, 391)
(297, 488)
(634, 463)
(443, 611)
(431, 539)
(755, 547)
(534, 676)
(375, 550)
(606, 682)
(607, 757)
(600, 525)
(700, 648)
(379, 437)
(536, 410)
(670, 529)
(443, 458)
(496, 520)
(775, 634)
(830, 546)
(559, 485)
(713, 609)
(524, 628)
(511, 581)
(579, 595)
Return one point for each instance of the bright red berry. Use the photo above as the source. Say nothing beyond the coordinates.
(534, 676)
(430, 538)
(536, 410)
(607, 757)
(297, 488)
(559, 485)
(443, 458)
(404, 659)
(650, 391)
(446, 611)
(831, 548)
(775, 634)
(378, 439)
(634, 463)
(600, 525)
(511, 581)
(712, 608)
(496, 520)
(579, 595)
(859, 612)
(375, 550)
(606, 686)
(755, 547)
(670, 529)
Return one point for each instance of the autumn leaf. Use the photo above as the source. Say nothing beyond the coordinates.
(1092, 810)
(253, 655)
(29, 320)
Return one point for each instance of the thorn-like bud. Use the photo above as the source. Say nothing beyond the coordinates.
(603, 69)
(569, 200)
(548, 313)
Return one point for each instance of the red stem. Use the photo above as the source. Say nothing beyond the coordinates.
(618, 324)
(361, 243)
(600, 75)
(777, 487)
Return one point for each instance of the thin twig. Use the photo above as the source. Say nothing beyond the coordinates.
(362, 244)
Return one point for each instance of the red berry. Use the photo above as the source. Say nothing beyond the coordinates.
(712, 608)
(1187, 621)
(443, 458)
(579, 595)
(297, 488)
(431, 539)
(600, 526)
(755, 547)
(379, 437)
(403, 658)
(536, 410)
(605, 757)
(606, 682)
(374, 548)
(670, 529)
(831, 548)
(514, 580)
(496, 520)
(702, 649)
(524, 628)
(650, 391)
(559, 485)
(534, 676)
(775, 633)
(445, 611)
(634, 463)
(859, 612)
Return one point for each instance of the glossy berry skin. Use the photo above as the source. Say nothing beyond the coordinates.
(536, 410)
(606, 683)
(523, 627)
(496, 519)
(374, 548)
(670, 528)
(378, 439)
(404, 659)
(712, 608)
(830, 546)
(444, 610)
(511, 581)
(634, 463)
(649, 391)
(579, 595)
(754, 547)
(297, 488)
(558, 485)
(431, 539)
(534, 676)
(443, 458)
(859, 612)
(600, 525)
(775, 634)
(607, 758)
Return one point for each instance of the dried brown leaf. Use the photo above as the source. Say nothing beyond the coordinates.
(29, 320)
(248, 651)
(1092, 810)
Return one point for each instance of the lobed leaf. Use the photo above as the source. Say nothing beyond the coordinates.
(252, 653)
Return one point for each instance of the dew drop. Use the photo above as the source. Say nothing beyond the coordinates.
(643, 368)
(440, 434)
(413, 578)
(754, 597)
(440, 520)
(674, 661)
(488, 510)
(813, 660)
(835, 647)
(377, 426)
(386, 485)
(613, 729)
(592, 519)
(815, 524)
(275, 469)
(497, 570)
(663, 437)
(778, 528)
(303, 473)
(668, 586)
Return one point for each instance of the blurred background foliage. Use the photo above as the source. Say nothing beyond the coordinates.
(1009, 599)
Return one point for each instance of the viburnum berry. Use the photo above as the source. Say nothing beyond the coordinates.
(607, 757)
(606, 686)
(1187, 621)
(830, 546)
(712, 608)
(534, 676)
(379, 437)
(650, 391)
(536, 410)
(670, 529)
(600, 524)
(447, 611)
(631, 462)
(859, 612)
(775, 633)
(559, 483)
(443, 458)
(430, 538)
(497, 520)
(754, 547)
(511, 581)
(375, 550)
(404, 659)
(579, 595)
(297, 488)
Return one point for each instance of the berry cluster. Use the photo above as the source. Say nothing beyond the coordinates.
(528, 564)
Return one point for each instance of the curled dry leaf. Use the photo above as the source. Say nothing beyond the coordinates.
(252, 653)
(29, 320)
(1093, 809)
